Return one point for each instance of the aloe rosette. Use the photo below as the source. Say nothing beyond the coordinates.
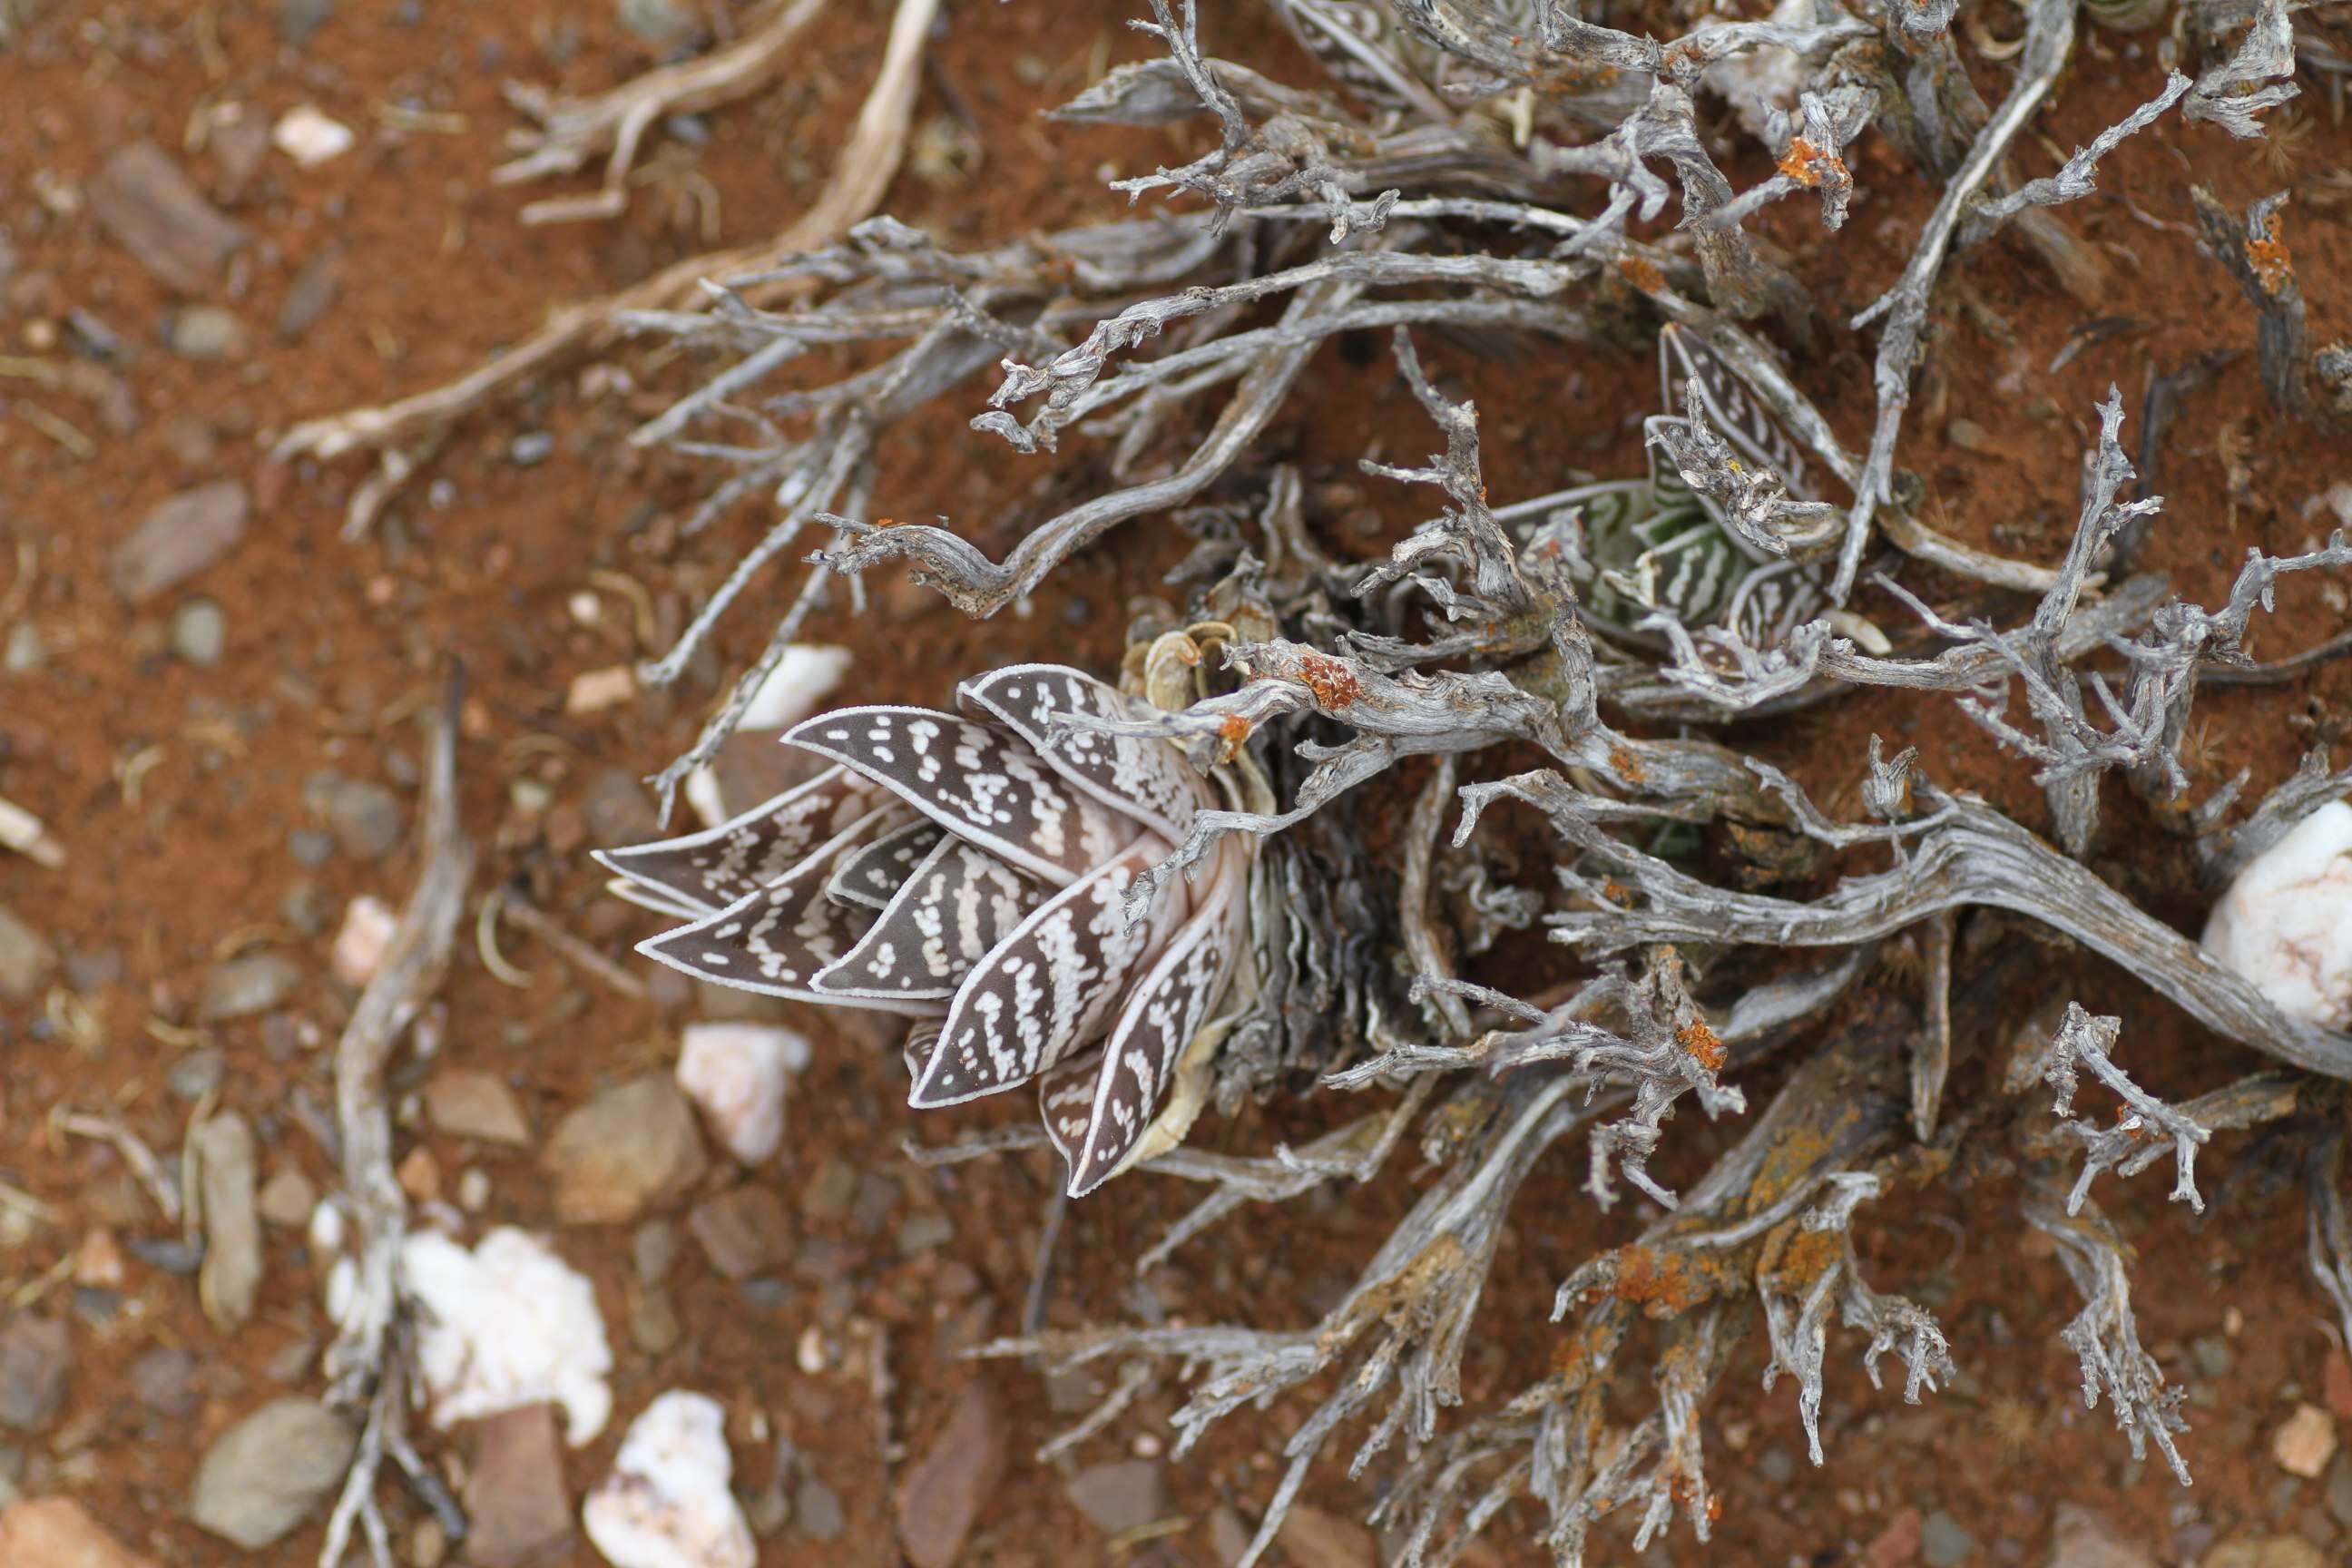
(983, 873)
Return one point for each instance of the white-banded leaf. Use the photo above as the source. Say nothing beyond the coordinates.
(1054, 985)
(978, 782)
(1066, 1098)
(1145, 777)
(775, 940)
(870, 874)
(647, 897)
(1162, 1015)
(1773, 601)
(922, 1039)
(706, 871)
(958, 904)
(1688, 359)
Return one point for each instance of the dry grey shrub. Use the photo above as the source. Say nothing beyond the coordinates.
(1426, 187)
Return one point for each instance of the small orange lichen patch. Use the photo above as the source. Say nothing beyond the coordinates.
(1808, 1255)
(1641, 273)
(1572, 1357)
(1233, 730)
(1333, 683)
(1626, 765)
(1617, 893)
(1809, 165)
(1704, 1044)
(1664, 1285)
(2274, 268)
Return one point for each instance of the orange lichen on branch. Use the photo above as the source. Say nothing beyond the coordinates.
(1664, 1285)
(1704, 1044)
(1573, 1358)
(1232, 733)
(1333, 684)
(1626, 765)
(1807, 1254)
(2274, 268)
(1809, 165)
(1641, 273)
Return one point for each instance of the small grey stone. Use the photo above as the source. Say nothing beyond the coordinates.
(24, 652)
(816, 1508)
(204, 333)
(742, 1231)
(830, 1191)
(2085, 1538)
(946, 1489)
(1777, 1465)
(154, 211)
(365, 818)
(653, 1250)
(654, 1326)
(531, 448)
(655, 21)
(1943, 1543)
(94, 969)
(1966, 434)
(308, 299)
(2339, 1488)
(306, 905)
(172, 1255)
(200, 633)
(287, 1199)
(310, 850)
(2213, 1356)
(1122, 1495)
(27, 959)
(616, 810)
(243, 986)
(298, 19)
(263, 1476)
(765, 1295)
(198, 1074)
(178, 539)
(632, 1147)
(468, 1103)
(922, 1233)
(516, 1501)
(36, 1360)
(165, 1379)
(230, 1279)
(877, 1195)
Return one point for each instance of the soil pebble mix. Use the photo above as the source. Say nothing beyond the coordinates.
(675, 1296)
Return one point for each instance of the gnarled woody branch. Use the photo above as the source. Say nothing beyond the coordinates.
(1970, 855)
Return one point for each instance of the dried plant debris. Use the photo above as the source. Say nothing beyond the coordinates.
(1152, 895)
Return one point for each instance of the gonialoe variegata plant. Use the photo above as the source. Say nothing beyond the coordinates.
(983, 873)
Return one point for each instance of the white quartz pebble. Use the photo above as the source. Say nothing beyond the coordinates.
(505, 1325)
(2285, 924)
(666, 1503)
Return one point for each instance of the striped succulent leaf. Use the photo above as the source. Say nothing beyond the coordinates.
(872, 873)
(1637, 548)
(972, 871)
(944, 919)
(704, 872)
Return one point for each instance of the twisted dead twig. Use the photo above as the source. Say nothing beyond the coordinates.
(574, 130)
(360, 1365)
(404, 432)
